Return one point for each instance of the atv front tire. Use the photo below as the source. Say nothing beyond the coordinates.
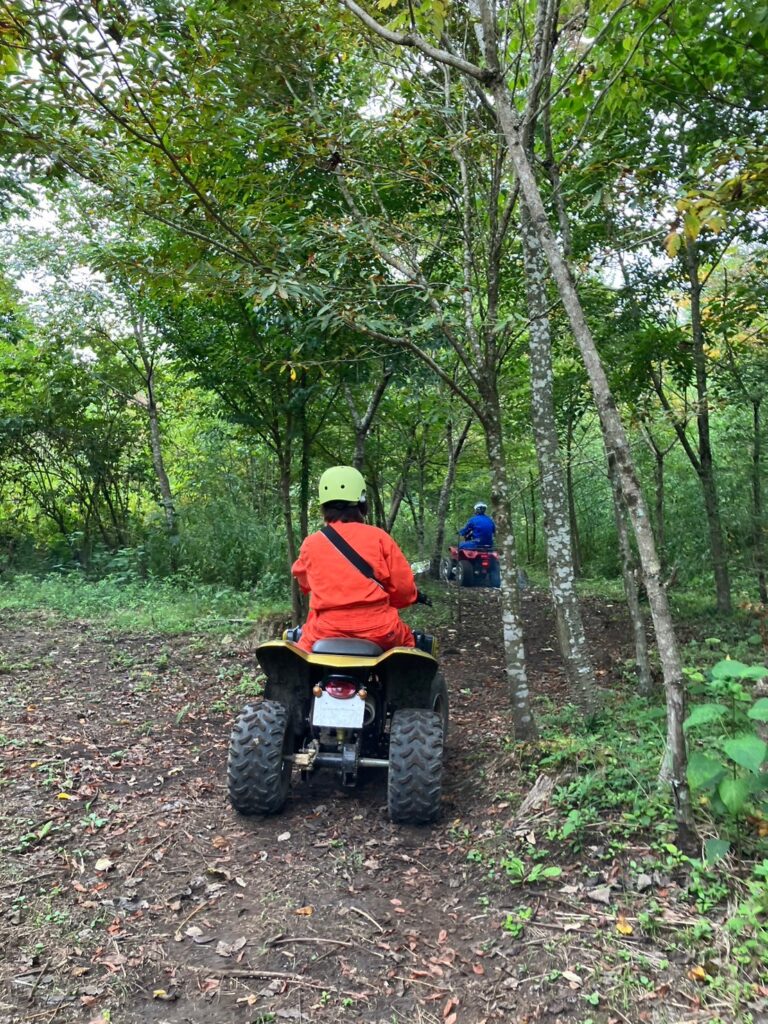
(258, 772)
(415, 782)
(466, 573)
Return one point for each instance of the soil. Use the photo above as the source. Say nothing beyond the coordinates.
(132, 892)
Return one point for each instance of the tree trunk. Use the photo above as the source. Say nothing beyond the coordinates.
(706, 466)
(570, 628)
(163, 483)
(284, 461)
(659, 455)
(514, 648)
(629, 575)
(758, 524)
(443, 501)
(573, 521)
(673, 768)
(362, 423)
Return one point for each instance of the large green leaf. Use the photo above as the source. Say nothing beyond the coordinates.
(704, 713)
(731, 669)
(747, 750)
(714, 849)
(703, 771)
(759, 710)
(734, 793)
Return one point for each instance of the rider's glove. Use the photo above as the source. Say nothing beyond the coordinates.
(422, 598)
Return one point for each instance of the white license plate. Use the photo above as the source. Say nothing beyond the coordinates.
(331, 713)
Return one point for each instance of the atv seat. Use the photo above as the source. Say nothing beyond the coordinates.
(347, 645)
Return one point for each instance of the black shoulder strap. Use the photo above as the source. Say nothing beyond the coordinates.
(350, 554)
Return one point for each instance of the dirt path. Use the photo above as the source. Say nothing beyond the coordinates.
(131, 892)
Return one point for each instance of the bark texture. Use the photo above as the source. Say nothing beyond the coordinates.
(570, 628)
(629, 576)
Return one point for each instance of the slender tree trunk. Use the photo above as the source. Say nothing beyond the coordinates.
(443, 501)
(758, 523)
(629, 575)
(362, 423)
(706, 466)
(659, 455)
(156, 444)
(161, 475)
(514, 648)
(673, 768)
(570, 628)
(284, 461)
(571, 499)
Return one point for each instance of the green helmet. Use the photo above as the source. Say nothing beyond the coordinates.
(342, 483)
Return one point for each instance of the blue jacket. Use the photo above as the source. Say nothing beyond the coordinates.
(480, 528)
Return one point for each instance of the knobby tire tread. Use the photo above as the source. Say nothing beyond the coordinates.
(415, 780)
(258, 780)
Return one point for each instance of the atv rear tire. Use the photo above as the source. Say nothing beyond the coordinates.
(258, 774)
(494, 574)
(466, 573)
(415, 782)
(438, 700)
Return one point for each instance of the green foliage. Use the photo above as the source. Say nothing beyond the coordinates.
(165, 606)
(727, 757)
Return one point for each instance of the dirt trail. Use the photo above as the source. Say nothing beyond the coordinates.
(131, 892)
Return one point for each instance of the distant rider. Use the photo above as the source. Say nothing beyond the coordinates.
(343, 601)
(478, 532)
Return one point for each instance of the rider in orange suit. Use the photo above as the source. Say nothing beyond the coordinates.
(344, 602)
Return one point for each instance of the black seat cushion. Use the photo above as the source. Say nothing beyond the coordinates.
(347, 645)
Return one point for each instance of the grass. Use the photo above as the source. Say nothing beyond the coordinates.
(127, 603)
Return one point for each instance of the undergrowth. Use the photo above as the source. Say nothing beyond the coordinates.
(120, 602)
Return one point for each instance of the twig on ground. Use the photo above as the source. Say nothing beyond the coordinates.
(39, 978)
(362, 913)
(253, 972)
(148, 853)
(189, 917)
(284, 940)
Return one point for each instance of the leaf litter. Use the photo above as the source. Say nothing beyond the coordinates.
(117, 840)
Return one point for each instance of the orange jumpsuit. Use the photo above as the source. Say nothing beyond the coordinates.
(343, 602)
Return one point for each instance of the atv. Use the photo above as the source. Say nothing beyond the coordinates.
(473, 567)
(346, 706)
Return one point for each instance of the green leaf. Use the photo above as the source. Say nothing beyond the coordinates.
(734, 793)
(759, 710)
(747, 750)
(704, 713)
(715, 849)
(703, 771)
(730, 669)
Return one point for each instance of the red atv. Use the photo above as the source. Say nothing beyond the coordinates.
(473, 567)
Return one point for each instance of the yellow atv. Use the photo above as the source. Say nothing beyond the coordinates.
(348, 705)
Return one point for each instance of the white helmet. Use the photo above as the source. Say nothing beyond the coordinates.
(480, 507)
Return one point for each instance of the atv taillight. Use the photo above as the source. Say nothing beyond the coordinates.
(342, 689)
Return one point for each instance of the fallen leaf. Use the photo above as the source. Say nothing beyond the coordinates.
(103, 864)
(450, 1006)
(210, 985)
(228, 948)
(220, 842)
(623, 927)
(698, 974)
(478, 968)
(305, 911)
(283, 837)
(451, 1018)
(602, 894)
(573, 979)
(442, 937)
